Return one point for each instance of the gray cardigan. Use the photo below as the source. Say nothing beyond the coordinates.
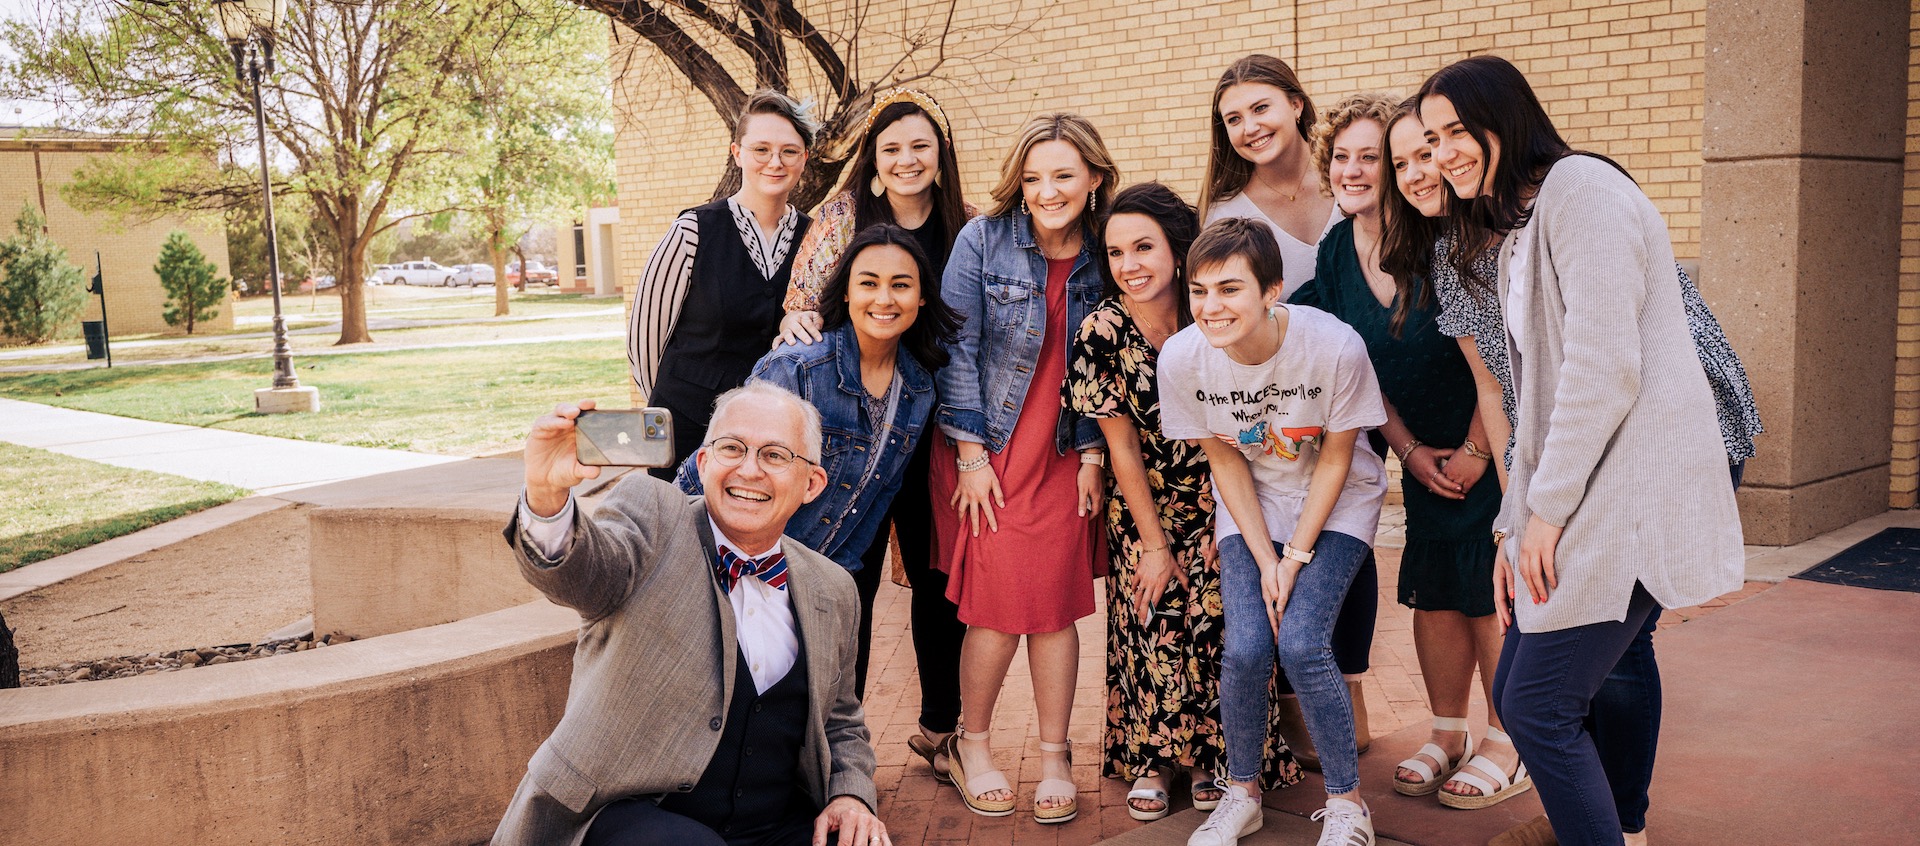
(1616, 439)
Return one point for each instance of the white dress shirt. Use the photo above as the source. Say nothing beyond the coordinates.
(762, 614)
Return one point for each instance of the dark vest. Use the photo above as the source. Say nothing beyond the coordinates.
(753, 782)
(727, 322)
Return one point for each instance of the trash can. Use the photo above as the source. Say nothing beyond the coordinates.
(96, 332)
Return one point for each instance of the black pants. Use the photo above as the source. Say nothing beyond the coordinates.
(937, 630)
(639, 822)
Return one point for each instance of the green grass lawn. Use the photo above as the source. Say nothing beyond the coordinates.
(68, 503)
(458, 401)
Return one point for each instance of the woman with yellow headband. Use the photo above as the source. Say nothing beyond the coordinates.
(904, 173)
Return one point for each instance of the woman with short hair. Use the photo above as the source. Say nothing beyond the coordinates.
(708, 303)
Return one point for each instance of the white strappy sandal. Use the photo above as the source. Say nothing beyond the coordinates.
(1490, 793)
(1431, 781)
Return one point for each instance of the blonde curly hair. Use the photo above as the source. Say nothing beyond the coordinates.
(1377, 106)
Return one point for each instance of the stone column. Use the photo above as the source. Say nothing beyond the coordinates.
(1803, 141)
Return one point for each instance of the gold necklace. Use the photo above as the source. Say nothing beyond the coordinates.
(1152, 331)
(1291, 198)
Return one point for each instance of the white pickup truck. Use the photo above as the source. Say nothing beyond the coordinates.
(424, 272)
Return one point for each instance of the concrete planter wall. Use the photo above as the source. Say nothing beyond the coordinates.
(417, 738)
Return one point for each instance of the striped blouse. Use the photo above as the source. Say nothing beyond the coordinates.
(663, 285)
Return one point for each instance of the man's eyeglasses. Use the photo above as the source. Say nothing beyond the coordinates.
(774, 458)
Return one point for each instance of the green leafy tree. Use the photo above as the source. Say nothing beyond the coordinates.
(363, 112)
(247, 241)
(41, 293)
(539, 150)
(195, 290)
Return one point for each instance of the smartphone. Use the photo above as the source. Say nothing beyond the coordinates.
(629, 437)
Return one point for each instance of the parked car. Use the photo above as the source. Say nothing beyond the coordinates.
(424, 272)
(536, 273)
(473, 274)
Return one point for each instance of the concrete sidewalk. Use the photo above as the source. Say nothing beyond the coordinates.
(262, 464)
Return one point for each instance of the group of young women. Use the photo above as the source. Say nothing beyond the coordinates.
(1084, 380)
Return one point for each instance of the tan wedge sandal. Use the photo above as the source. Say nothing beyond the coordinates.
(1056, 788)
(971, 786)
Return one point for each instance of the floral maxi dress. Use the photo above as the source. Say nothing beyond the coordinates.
(1163, 675)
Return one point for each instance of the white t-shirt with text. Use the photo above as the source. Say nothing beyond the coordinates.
(1277, 413)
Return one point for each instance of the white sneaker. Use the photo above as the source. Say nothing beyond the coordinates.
(1237, 816)
(1347, 824)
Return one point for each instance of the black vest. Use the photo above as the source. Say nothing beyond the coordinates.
(727, 322)
(753, 781)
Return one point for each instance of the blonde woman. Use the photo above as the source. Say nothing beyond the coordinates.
(1022, 476)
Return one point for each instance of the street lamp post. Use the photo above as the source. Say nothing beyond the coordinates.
(249, 26)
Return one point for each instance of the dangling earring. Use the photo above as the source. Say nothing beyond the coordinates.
(1093, 202)
(936, 179)
(875, 186)
(1023, 207)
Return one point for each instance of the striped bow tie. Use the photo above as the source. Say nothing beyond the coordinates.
(771, 569)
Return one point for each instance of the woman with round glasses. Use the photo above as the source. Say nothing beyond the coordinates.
(709, 300)
(871, 377)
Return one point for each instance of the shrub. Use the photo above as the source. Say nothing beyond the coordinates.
(194, 291)
(41, 293)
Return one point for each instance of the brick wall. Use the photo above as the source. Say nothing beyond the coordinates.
(128, 249)
(1905, 491)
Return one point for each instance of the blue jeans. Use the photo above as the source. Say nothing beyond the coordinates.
(1305, 651)
(1548, 686)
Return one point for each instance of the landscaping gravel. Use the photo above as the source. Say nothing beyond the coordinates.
(167, 662)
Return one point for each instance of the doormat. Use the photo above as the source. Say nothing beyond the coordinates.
(1889, 560)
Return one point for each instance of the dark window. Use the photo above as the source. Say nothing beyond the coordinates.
(579, 251)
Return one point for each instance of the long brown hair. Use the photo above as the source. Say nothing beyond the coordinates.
(869, 209)
(1228, 173)
(1406, 236)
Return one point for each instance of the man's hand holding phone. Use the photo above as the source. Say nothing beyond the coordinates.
(553, 468)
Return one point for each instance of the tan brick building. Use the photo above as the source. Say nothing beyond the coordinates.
(1628, 79)
(35, 164)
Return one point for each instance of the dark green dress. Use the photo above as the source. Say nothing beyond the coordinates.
(1447, 564)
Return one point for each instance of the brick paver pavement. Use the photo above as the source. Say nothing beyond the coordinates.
(920, 811)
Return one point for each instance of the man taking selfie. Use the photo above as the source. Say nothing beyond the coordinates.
(712, 697)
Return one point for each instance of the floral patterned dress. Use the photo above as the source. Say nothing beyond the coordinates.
(1163, 676)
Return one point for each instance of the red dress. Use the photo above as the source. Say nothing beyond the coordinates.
(1035, 575)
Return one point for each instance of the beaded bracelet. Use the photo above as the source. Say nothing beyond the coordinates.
(976, 464)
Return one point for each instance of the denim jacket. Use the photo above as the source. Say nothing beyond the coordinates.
(841, 522)
(996, 278)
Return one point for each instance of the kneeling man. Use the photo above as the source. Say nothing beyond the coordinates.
(712, 697)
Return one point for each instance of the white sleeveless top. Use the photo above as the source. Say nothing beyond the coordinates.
(1297, 258)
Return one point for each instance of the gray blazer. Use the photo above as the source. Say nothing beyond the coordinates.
(654, 668)
(1616, 438)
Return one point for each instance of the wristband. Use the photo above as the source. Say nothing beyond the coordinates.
(1094, 458)
(1304, 556)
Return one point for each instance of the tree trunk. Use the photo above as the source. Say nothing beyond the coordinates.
(353, 304)
(496, 233)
